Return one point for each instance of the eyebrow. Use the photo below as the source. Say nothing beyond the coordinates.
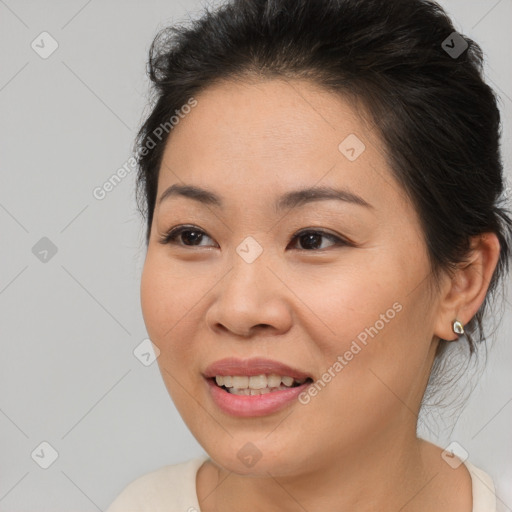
(287, 201)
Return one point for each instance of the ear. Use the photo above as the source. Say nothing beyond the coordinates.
(467, 287)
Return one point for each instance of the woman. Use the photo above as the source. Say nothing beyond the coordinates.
(322, 185)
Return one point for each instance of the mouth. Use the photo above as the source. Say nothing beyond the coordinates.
(257, 384)
(254, 387)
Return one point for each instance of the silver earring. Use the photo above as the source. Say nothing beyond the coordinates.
(458, 328)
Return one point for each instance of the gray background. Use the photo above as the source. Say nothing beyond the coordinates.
(69, 325)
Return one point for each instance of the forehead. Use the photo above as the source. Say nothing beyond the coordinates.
(273, 136)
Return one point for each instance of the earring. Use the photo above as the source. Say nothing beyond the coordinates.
(458, 328)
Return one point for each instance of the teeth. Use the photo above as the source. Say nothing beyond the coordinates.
(255, 384)
(226, 380)
(273, 381)
(287, 381)
(240, 382)
(258, 381)
(260, 391)
(249, 391)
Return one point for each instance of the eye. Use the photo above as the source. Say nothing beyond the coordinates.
(192, 236)
(312, 239)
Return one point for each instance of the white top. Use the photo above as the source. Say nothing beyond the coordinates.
(173, 489)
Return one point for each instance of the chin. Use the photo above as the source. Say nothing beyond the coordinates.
(245, 458)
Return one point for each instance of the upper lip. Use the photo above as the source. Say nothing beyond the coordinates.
(253, 366)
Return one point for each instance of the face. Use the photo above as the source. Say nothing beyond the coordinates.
(333, 286)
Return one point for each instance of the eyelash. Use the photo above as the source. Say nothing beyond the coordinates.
(171, 236)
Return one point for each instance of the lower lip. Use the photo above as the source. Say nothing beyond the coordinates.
(254, 405)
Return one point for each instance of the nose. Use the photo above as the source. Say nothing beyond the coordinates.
(250, 299)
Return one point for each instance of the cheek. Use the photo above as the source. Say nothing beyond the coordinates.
(167, 297)
(355, 302)
(157, 305)
(173, 312)
(373, 334)
(376, 382)
(168, 318)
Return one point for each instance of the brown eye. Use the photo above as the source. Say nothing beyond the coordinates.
(312, 239)
(188, 236)
(308, 240)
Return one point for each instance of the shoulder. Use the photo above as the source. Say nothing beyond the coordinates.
(484, 494)
(460, 482)
(168, 488)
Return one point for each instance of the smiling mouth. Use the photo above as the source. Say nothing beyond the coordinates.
(257, 384)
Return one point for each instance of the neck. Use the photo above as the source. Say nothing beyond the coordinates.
(387, 474)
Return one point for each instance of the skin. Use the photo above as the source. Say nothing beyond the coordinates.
(354, 445)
